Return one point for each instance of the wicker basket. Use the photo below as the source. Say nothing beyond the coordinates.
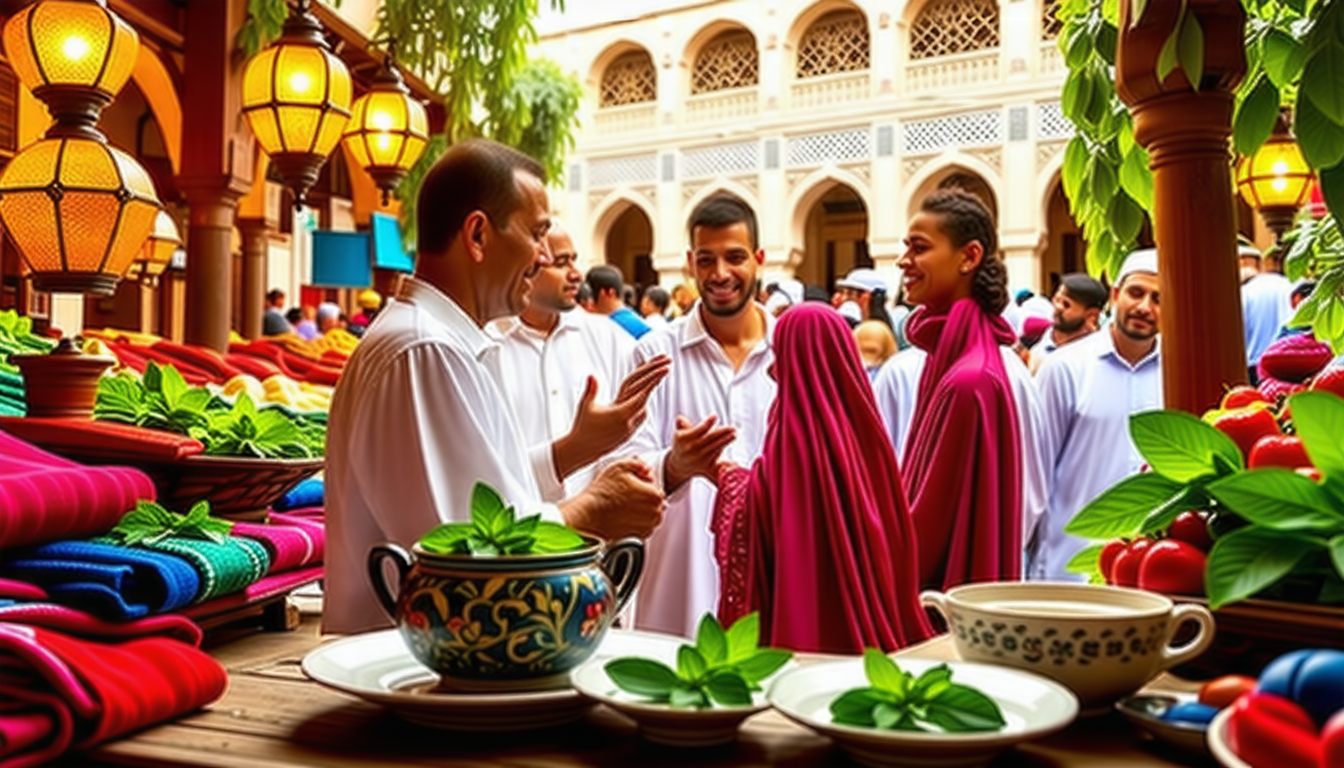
(1252, 633)
(237, 488)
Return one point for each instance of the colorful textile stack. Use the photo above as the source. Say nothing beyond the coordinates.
(69, 680)
(112, 582)
(292, 542)
(308, 493)
(224, 567)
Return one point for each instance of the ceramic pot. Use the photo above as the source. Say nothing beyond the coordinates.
(506, 623)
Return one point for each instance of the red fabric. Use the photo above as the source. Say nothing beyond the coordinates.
(963, 464)
(817, 536)
(36, 726)
(21, 590)
(207, 360)
(98, 440)
(44, 497)
(192, 374)
(322, 374)
(253, 366)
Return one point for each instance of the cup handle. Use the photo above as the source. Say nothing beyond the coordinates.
(401, 559)
(935, 600)
(1181, 614)
(623, 564)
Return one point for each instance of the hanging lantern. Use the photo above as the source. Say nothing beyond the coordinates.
(157, 253)
(388, 129)
(1276, 180)
(72, 54)
(296, 95)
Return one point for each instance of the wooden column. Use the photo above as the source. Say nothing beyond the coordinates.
(256, 244)
(217, 152)
(1194, 212)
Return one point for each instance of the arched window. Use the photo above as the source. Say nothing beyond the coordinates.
(836, 42)
(629, 79)
(945, 27)
(1050, 23)
(728, 61)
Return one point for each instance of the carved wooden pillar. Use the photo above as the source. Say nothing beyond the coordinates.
(256, 244)
(1194, 213)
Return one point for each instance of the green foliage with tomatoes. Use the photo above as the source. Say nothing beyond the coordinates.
(1291, 545)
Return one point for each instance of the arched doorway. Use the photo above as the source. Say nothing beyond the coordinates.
(835, 237)
(629, 247)
(1065, 250)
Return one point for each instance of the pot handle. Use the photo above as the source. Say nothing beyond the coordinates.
(1171, 656)
(401, 559)
(936, 600)
(623, 564)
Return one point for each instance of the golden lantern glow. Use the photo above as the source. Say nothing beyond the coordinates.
(296, 96)
(157, 253)
(388, 130)
(71, 44)
(78, 210)
(1276, 180)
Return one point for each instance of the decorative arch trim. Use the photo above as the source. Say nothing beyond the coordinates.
(945, 165)
(812, 188)
(610, 209)
(153, 80)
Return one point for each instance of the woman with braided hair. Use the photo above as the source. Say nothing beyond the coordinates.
(963, 460)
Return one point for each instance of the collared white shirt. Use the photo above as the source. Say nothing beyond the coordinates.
(897, 392)
(544, 376)
(681, 578)
(1088, 392)
(1265, 307)
(417, 419)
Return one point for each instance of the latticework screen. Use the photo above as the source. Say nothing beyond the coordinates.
(1050, 23)
(630, 79)
(836, 42)
(945, 27)
(728, 61)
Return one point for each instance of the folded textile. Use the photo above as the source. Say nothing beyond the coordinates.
(108, 441)
(224, 568)
(21, 590)
(45, 497)
(269, 587)
(308, 493)
(111, 581)
(291, 542)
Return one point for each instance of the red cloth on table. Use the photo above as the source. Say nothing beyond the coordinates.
(45, 497)
(817, 536)
(963, 463)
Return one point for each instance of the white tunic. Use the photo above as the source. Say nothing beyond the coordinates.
(1265, 308)
(417, 419)
(1087, 394)
(544, 376)
(897, 391)
(681, 579)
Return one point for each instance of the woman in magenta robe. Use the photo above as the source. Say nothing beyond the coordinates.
(963, 463)
(816, 535)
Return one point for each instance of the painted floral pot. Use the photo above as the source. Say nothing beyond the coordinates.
(506, 623)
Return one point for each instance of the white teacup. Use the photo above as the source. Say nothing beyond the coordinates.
(1102, 642)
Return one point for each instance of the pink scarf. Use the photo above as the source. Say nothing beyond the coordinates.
(816, 536)
(963, 463)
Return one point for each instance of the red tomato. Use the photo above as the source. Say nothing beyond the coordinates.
(1330, 380)
(1242, 395)
(1172, 566)
(1332, 742)
(1193, 529)
(1222, 691)
(1278, 451)
(1125, 570)
(1270, 731)
(1247, 425)
(1108, 554)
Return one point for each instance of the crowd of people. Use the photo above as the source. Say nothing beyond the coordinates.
(777, 454)
(309, 321)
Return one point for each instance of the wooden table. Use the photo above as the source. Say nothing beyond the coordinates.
(274, 717)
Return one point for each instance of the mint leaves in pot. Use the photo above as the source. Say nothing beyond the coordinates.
(722, 667)
(898, 700)
(495, 531)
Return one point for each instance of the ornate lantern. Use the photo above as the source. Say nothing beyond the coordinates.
(1276, 180)
(158, 250)
(388, 129)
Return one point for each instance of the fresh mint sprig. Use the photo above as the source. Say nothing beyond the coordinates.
(721, 667)
(494, 530)
(897, 700)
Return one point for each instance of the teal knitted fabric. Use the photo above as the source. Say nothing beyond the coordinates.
(225, 568)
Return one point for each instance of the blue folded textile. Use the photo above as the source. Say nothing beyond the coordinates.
(308, 493)
(109, 581)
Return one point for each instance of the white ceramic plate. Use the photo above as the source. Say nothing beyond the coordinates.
(664, 723)
(377, 667)
(1034, 707)
(1222, 751)
(1145, 712)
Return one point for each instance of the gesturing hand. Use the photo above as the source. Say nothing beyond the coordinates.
(695, 451)
(621, 501)
(600, 429)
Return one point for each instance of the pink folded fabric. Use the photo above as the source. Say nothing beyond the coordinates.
(20, 590)
(44, 497)
(293, 542)
(267, 588)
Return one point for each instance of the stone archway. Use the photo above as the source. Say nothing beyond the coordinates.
(628, 246)
(835, 236)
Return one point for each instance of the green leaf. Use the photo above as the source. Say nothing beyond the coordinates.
(1126, 217)
(932, 682)
(1277, 498)
(1137, 8)
(1181, 446)
(690, 664)
(642, 677)
(173, 386)
(554, 537)
(488, 510)
(1166, 56)
(743, 637)
(1319, 420)
(1332, 186)
(1321, 140)
(887, 717)
(1282, 57)
(1087, 561)
(711, 641)
(855, 707)
(1104, 181)
(1187, 499)
(1255, 116)
(1337, 554)
(728, 688)
(1076, 96)
(1321, 78)
(1249, 559)
(482, 547)
(961, 709)
(1074, 168)
(1190, 49)
(153, 377)
(444, 539)
(883, 672)
(1136, 178)
(762, 664)
(1122, 508)
(686, 696)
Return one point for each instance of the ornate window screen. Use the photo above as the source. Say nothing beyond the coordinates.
(630, 79)
(945, 27)
(1050, 23)
(833, 147)
(616, 171)
(972, 129)
(836, 42)
(1052, 122)
(728, 61)
(721, 160)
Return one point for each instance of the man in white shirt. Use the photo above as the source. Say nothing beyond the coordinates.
(1088, 391)
(1265, 306)
(419, 417)
(1078, 304)
(653, 306)
(714, 404)
(558, 361)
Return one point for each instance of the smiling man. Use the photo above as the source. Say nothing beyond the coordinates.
(713, 405)
(1088, 391)
(419, 416)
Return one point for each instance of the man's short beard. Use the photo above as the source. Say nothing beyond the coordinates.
(1066, 327)
(747, 298)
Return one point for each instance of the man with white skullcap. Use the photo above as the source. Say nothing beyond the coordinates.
(1088, 391)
